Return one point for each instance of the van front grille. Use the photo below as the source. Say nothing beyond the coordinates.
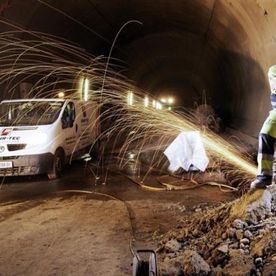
(13, 147)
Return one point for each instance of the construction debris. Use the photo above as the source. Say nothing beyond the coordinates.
(237, 238)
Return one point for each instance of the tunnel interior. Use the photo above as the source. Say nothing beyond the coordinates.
(214, 49)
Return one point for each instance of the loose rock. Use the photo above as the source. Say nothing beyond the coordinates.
(239, 234)
(231, 232)
(224, 236)
(239, 264)
(242, 246)
(234, 245)
(245, 241)
(269, 269)
(259, 209)
(223, 248)
(194, 264)
(239, 224)
(247, 234)
(172, 266)
(172, 246)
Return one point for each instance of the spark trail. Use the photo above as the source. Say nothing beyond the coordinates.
(52, 65)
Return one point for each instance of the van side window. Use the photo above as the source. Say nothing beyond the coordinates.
(68, 116)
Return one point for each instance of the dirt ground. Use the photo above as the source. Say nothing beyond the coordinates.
(46, 229)
(73, 236)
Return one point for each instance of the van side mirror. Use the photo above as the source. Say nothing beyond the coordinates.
(68, 116)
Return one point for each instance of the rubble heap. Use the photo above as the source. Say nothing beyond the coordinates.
(237, 238)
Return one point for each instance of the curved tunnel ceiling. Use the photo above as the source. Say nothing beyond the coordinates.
(219, 47)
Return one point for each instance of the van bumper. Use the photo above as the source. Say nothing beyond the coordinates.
(27, 164)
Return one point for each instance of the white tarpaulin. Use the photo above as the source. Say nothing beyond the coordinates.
(187, 149)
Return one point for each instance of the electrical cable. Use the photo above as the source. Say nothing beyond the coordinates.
(171, 187)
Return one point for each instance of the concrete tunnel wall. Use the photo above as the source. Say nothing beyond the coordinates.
(222, 47)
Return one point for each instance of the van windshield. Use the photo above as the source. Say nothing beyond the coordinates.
(29, 113)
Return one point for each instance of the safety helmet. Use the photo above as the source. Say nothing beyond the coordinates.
(272, 78)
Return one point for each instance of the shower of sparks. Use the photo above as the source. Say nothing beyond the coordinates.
(53, 65)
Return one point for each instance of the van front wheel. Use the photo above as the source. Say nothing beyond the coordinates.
(58, 164)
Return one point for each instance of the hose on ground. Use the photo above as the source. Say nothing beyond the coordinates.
(171, 187)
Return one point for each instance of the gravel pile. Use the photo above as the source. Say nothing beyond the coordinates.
(238, 238)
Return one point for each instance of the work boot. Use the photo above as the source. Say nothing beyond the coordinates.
(259, 184)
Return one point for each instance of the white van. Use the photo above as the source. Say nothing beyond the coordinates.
(39, 136)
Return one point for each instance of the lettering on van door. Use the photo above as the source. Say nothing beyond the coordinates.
(6, 135)
(10, 138)
(6, 131)
(70, 140)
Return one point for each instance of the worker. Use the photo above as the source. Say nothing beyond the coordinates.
(267, 140)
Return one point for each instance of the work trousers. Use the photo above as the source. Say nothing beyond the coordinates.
(266, 157)
(267, 142)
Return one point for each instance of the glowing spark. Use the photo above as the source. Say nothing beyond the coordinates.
(146, 101)
(233, 157)
(61, 95)
(130, 98)
(159, 106)
(57, 65)
(86, 89)
(170, 100)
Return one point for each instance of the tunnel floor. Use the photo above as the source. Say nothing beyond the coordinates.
(60, 228)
